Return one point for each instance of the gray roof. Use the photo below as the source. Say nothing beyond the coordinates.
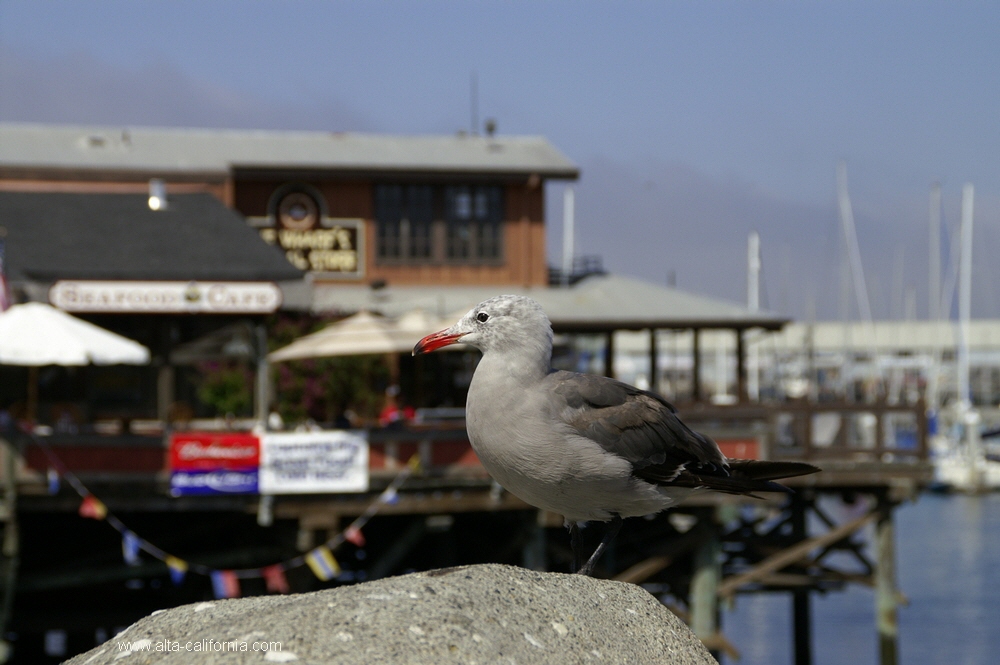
(597, 303)
(164, 151)
(53, 236)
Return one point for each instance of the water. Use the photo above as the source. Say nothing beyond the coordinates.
(948, 553)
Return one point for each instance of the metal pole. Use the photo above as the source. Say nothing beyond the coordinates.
(263, 396)
(965, 296)
(654, 383)
(741, 367)
(696, 366)
(705, 586)
(568, 234)
(934, 287)
(801, 605)
(753, 304)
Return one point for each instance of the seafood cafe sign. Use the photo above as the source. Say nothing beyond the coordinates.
(166, 297)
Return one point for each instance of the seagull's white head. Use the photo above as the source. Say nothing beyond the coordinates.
(500, 324)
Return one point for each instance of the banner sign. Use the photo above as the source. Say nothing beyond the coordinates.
(213, 463)
(182, 297)
(213, 450)
(222, 481)
(314, 462)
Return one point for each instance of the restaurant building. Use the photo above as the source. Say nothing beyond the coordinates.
(122, 224)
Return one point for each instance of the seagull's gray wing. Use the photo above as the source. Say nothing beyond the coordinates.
(643, 428)
(634, 424)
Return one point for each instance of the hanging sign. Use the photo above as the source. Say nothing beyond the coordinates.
(332, 249)
(313, 462)
(164, 297)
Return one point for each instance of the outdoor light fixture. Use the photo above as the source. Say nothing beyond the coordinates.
(157, 194)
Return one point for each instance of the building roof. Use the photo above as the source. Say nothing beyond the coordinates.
(166, 150)
(53, 236)
(596, 303)
(888, 336)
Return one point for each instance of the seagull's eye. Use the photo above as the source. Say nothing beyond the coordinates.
(482, 317)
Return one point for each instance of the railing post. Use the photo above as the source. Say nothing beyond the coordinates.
(886, 593)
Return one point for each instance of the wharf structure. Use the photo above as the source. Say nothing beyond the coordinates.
(334, 224)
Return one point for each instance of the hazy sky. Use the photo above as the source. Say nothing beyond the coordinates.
(693, 122)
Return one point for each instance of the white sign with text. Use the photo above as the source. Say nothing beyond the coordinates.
(313, 462)
(187, 297)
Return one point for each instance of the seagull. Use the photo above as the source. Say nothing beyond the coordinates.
(586, 447)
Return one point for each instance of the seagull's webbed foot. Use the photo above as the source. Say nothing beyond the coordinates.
(588, 568)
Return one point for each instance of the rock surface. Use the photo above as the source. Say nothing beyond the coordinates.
(472, 614)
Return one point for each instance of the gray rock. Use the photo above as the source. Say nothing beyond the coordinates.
(472, 614)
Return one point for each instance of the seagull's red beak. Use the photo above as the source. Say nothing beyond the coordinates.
(435, 341)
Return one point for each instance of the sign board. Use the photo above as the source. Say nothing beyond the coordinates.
(166, 297)
(220, 481)
(313, 462)
(332, 249)
(213, 463)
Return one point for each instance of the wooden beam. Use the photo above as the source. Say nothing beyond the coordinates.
(643, 570)
(793, 554)
(609, 354)
(886, 594)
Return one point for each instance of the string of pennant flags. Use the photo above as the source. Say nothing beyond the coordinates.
(226, 582)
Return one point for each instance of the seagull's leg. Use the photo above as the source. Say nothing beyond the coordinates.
(616, 525)
(574, 543)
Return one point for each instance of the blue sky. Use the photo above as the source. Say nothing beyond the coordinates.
(693, 122)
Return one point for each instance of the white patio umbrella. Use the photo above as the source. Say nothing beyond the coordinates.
(36, 334)
(361, 334)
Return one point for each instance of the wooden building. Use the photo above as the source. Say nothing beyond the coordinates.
(431, 210)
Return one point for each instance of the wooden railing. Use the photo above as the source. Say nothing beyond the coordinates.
(876, 432)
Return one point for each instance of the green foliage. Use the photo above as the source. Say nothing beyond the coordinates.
(324, 388)
(227, 387)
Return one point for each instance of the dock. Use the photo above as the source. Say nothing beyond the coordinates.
(694, 557)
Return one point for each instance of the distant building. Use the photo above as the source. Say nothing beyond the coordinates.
(345, 208)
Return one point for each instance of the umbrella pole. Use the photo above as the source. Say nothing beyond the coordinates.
(32, 406)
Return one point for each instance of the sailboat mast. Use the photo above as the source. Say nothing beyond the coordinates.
(965, 295)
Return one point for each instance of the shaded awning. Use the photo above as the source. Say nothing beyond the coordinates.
(599, 303)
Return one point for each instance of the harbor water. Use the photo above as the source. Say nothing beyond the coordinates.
(948, 554)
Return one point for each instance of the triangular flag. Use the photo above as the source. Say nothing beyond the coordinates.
(178, 569)
(389, 496)
(275, 580)
(93, 508)
(322, 563)
(225, 584)
(414, 464)
(352, 534)
(130, 548)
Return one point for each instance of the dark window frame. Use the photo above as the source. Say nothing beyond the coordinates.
(453, 224)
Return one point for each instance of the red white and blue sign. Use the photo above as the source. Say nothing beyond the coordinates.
(214, 463)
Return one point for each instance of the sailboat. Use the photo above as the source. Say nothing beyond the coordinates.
(960, 459)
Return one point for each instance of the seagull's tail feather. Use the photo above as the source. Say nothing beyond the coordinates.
(753, 469)
(746, 476)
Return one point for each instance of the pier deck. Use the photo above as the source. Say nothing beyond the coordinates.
(450, 512)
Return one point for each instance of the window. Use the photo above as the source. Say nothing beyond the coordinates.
(474, 216)
(423, 223)
(404, 216)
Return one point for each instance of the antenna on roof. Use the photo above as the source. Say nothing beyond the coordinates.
(474, 103)
(157, 194)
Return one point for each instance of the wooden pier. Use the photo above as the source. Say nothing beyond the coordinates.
(693, 557)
